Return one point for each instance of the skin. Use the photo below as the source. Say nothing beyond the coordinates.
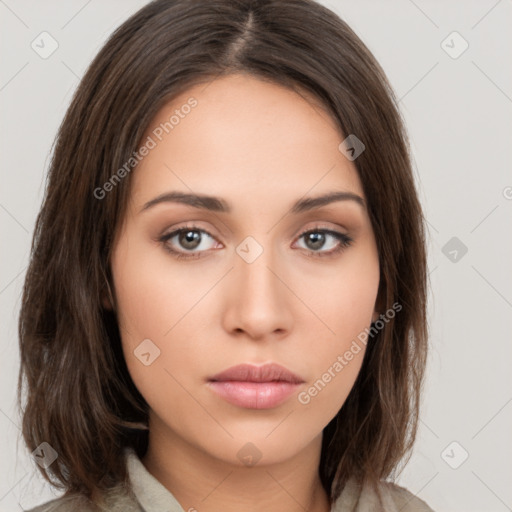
(260, 147)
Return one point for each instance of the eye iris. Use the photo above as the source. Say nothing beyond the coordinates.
(318, 240)
(190, 239)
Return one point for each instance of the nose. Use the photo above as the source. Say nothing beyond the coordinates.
(259, 301)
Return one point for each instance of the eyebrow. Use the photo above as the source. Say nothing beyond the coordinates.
(216, 204)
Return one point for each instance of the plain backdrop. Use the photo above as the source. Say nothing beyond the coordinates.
(449, 63)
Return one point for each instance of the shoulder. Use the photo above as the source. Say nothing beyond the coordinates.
(65, 504)
(404, 500)
(384, 496)
(117, 499)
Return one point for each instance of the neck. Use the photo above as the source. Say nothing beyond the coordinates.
(203, 483)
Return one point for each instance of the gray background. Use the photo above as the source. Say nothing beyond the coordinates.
(458, 113)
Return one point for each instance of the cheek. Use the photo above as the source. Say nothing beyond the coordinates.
(346, 304)
(157, 301)
(342, 295)
(336, 359)
(324, 396)
(152, 294)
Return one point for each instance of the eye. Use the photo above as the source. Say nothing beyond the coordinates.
(189, 238)
(192, 241)
(317, 238)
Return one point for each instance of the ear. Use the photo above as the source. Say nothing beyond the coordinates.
(380, 303)
(106, 297)
(105, 302)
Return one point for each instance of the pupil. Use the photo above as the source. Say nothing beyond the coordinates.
(190, 239)
(317, 239)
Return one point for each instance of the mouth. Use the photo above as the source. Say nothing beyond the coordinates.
(255, 387)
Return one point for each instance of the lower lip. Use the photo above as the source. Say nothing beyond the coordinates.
(254, 395)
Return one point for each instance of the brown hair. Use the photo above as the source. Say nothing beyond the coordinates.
(79, 395)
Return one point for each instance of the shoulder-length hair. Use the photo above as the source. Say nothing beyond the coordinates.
(79, 395)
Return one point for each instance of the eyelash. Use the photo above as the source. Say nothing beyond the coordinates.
(345, 241)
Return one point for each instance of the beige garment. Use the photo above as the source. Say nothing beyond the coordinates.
(149, 495)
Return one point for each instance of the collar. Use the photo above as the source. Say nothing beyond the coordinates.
(149, 492)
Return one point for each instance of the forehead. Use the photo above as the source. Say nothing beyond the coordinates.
(243, 138)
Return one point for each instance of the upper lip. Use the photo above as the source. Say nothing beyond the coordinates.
(249, 373)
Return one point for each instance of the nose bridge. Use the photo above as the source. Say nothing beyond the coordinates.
(255, 268)
(258, 302)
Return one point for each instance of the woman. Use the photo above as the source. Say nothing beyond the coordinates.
(225, 304)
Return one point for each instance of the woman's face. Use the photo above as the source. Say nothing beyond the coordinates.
(243, 283)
